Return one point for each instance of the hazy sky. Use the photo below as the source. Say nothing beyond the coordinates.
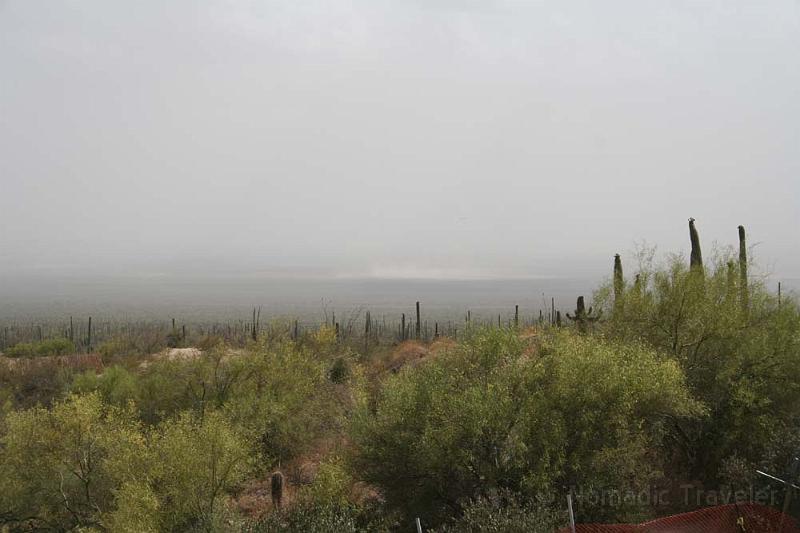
(393, 138)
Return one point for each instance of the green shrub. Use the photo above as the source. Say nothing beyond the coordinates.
(116, 385)
(60, 468)
(42, 348)
(332, 484)
(286, 403)
(340, 370)
(314, 517)
(197, 461)
(505, 513)
(85, 464)
(137, 509)
(492, 415)
(743, 364)
(117, 347)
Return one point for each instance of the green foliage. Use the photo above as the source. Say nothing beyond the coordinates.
(43, 348)
(492, 415)
(116, 385)
(743, 364)
(340, 370)
(505, 513)
(331, 485)
(60, 467)
(120, 346)
(315, 517)
(166, 387)
(287, 402)
(308, 518)
(278, 396)
(137, 509)
(85, 464)
(198, 461)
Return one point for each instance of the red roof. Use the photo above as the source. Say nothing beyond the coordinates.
(748, 517)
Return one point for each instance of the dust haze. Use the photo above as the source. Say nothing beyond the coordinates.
(435, 140)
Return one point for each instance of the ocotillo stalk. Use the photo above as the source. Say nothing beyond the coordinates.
(696, 257)
(619, 286)
(744, 292)
(417, 329)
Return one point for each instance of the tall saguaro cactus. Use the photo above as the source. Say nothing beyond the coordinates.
(619, 284)
(744, 293)
(696, 258)
(418, 325)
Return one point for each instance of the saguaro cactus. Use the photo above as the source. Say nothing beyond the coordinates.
(619, 284)
(582, 317)
(276, 488)
(418, 326)
(696, 257)
(744, 292)
(367, 326)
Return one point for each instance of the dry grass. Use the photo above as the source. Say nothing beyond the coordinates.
(405, 354)
(75, 362)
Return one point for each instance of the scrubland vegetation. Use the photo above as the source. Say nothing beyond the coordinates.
(678, 373)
